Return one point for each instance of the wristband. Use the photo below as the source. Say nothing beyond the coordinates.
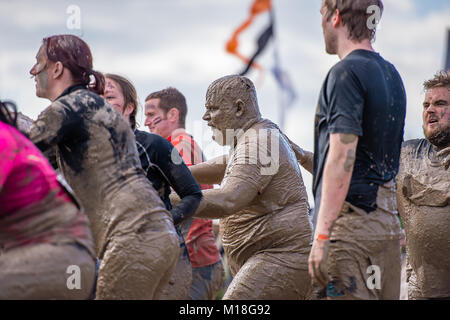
(322, 237)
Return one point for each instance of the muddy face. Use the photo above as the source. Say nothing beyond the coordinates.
(113, 94)
(40, 73)
(436, 117)
(230, 104)
(220, 117)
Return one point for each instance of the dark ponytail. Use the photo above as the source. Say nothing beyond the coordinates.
(98, 86)
(7, 115)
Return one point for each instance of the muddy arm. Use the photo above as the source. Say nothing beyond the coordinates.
(210, 172)
(305, 158)
(235, 195)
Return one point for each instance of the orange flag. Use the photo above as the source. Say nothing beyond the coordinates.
(258, 6)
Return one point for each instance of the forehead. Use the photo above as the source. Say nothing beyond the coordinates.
(216, 96)
(440, 93)
(41, 52)
(111, 85)
(153, 104)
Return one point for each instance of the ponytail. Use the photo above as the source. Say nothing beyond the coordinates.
(7, 115)
(98, 86)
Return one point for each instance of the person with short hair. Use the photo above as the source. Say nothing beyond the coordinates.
(96, 151)
(261, 203)
(165, 112)
(156, 154)
(423, 195)
(359, 125)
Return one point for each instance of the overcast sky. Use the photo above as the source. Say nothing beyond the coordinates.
(181, 43)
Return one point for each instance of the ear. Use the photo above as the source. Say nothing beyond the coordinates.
(128, 110)
(173, 115)
(239, 107)
(58, 70)
(336, 19)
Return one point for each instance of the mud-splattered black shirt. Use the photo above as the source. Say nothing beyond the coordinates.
(362, 95)
(96, 152)
(156, 155)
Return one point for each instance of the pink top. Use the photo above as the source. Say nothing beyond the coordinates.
(26, 176)
(34, 207)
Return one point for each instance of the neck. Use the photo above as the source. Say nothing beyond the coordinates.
(347, 46)
(58, 89)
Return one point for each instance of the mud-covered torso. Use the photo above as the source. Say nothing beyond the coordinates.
(276, 220)
(96, 152)
(424, 196)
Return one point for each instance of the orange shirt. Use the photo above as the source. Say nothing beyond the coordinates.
(200, 239)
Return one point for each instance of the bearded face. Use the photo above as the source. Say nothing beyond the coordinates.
(436, 116)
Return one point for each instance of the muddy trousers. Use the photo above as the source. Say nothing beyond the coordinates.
(179, 283)
(139, 264)
(46, 271)
(263, 279)
(364, 270)
(207, 282)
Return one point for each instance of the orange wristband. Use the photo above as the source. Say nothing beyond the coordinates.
(323, 237)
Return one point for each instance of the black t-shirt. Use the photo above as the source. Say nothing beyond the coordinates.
(363, 95)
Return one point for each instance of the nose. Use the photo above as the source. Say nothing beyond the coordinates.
(147, 122)
(206, 116)
(33, 70)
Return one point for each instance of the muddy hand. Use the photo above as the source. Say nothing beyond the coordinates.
(317, 262)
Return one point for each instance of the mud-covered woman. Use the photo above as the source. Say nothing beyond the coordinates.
(96, 151)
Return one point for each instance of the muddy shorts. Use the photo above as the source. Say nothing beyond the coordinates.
(181, 280)
(364, 269)
(261, 278)
(46, 271)
(138, 265)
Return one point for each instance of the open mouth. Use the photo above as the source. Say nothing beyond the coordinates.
(431, 121)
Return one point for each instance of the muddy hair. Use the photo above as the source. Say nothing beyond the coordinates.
(354, 16)
(8, 113)
(129, 95)
(75, 55)
(231, 86)
(171, 98)
(441, 80)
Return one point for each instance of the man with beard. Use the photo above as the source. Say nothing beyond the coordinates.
(423, 196)
(358, 134)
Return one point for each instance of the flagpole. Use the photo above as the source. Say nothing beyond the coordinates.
(281, 108)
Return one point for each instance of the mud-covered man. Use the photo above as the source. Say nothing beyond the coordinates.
(423, 194)
(261, 203)
(358, 134)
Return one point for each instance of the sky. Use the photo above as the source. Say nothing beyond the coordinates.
(181, 43)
